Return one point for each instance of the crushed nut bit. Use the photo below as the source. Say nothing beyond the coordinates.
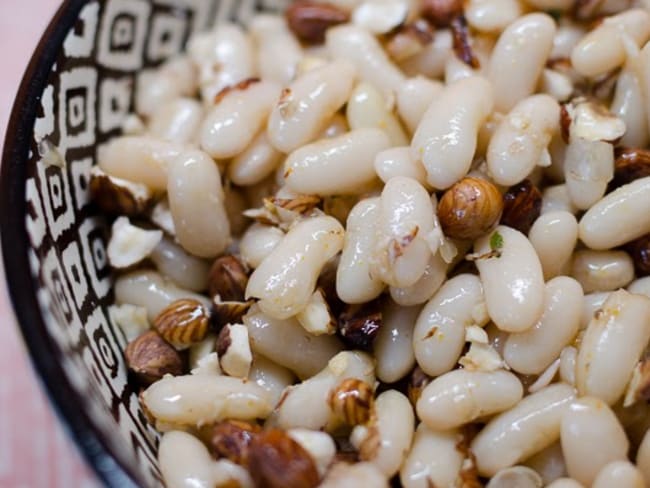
(482, 357)
(130, 244)
(130, 318)
(630, 164)
(116, 196)
(441, 12)
(461, 42)
(316, 317)
(161, 215)
(224, 313)
(150, 358)
(522, 205)
(310, 20)
(352, 401)
(228, 278)
(359, 324)
(639, 251)
(592, 121)
(639, 386)
(231, 439)
(409, 40)
(418, 380)
(183, 323)
(234, 350)
(277, 461)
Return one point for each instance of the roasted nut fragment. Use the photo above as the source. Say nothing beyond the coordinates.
(565, 123)
(224, 313)
(461, 42)
(522, 204)
(352, 401)
(639, 386)
(639, 250)
(231, 439)
(228, 278)
(277, 461)
(630, 164)
(441, 12)
(130, 244)
(242, 85)
(470, 208)
(116, 196)
(417, 382)
(310, 20)
(234, 350)
(150, 358)
(183, 323)
(592, 121)
(409, 39)
(359, 324)
(316, 318)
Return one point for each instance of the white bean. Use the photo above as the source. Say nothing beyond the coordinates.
(255, 163)
(556, 198)
(278, 51)
(174, 78)
(397, 161)
(140, 159)
(516, 477)
(368, 108)
(556, 84)
(554, 235)
(640, 286)
(186, 271)
(387, 440)
(232, 124)
(613, 343)
(354, 283)
(519, 58)
(492, 15)
(439, 334)
(602, 270)
(196, 201)
(590, 422)
(150, 290)
(629, 104)
(445, 140)
(527, 428)
(270, 376)
(224, 56)
(532, 351)
(521, 140)
(433, 459)
(621, 216)
(568, 358)
(568, 34)
(603, 49)
(588, 167)
(306, 405)
(286, 279)
(460, 396)
(430, 62)
(196, 400)
(643, 457)
(621, 474)
(423, 289)
(177, 120)
(413, 97)
(287, 344)
(185, 462)
(257, 243)
(360, 47)
(591, 303)
(344, 475)
(308, 103)
(406, 220)
(513, 281)
(565, 483)
(549, 463)
(393, 346)
(340, 165)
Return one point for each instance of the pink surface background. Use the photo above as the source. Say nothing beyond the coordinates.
(34, 450)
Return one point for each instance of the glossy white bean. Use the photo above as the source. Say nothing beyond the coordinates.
(393, 346)
(549, 463)
(354, 282)
(254, 163)
(532, 351)
(556, 198)
(520, 141)
(513, 282)
(270, 376)
(439, 334)
(460, 396)
(308, 103)
(519, 58)
(413, 97)
(185, 462)
(186, 271)
(340, 165)
(554, 236)
(177, 120)
(640, 286)
(445, 140)
(527, 428)
(602, 270)
(423, 289)
(397, 161)
(629, 104)
(278, 51)
(587, 423)
(621, 474)
(492, 15)
(257, 242)
(588, 167)
(621, 216)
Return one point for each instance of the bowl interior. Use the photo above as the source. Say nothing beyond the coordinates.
(79, 87)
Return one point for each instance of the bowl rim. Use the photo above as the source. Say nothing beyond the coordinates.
(111, 467)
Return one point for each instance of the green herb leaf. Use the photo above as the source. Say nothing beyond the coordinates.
(496, 241)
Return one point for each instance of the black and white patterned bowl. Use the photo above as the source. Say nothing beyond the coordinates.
(77, 89)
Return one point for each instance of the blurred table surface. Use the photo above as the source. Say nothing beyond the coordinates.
(34, 450)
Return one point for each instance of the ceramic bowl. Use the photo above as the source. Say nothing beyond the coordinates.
(78, 88)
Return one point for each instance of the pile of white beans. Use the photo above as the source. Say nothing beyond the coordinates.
(539, 348)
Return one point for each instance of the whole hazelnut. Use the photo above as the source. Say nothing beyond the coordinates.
(470, 208)
(522, 205)
(150, 358)
(228, 279)
(183, 323)
(275, 460)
